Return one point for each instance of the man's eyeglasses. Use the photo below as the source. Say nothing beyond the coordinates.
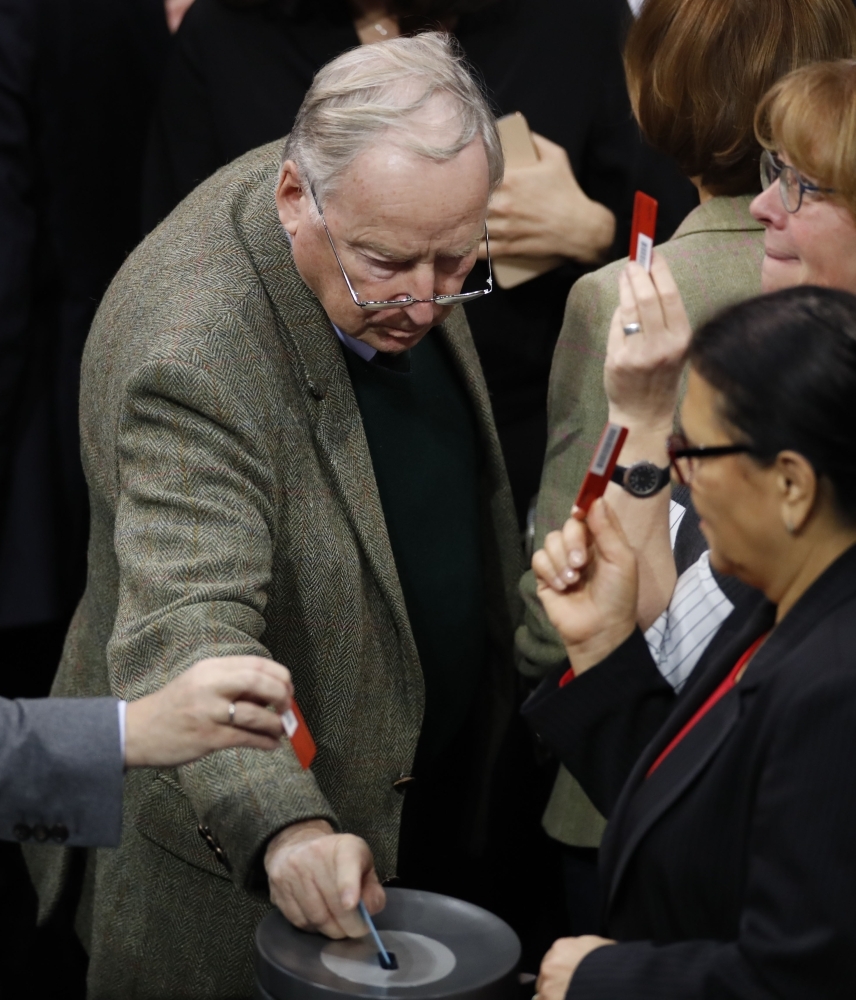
(375, 305)
(685, 458)
(792, 185)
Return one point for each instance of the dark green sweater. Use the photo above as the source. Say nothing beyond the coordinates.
(424, 445)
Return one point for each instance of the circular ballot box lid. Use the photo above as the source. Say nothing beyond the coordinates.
(445, 948)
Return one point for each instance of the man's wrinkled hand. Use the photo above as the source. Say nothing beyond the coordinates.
(561, 962)
(541, 211)
(317, 878)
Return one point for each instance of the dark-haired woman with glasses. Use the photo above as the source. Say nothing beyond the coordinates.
(728, 867)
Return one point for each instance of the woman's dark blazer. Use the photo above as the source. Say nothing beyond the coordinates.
(731, 870)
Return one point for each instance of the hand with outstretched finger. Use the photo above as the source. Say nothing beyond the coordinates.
(643, 370)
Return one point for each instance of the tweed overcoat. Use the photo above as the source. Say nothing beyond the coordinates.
(235, 511)
(715, 257)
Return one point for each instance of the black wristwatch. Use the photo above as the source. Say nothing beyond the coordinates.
(642, 479)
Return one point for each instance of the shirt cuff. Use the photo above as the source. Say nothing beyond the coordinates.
(123, 705)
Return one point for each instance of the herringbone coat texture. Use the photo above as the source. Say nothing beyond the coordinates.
(234, 510)
(715, 257)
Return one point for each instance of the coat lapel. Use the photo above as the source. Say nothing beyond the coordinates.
(644, 800)
(315, 355)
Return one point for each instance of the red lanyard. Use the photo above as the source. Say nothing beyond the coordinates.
(720, 692)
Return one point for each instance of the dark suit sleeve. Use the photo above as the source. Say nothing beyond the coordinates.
(17, 211)
(61, 766)
(600, 723)
(798, 920)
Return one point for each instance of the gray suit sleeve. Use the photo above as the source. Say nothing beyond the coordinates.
(61, 771)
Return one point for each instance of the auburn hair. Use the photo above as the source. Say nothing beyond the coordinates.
(697, 69)
(811, 116)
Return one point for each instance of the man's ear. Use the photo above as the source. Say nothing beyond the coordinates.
(289, 197)
(797, 484)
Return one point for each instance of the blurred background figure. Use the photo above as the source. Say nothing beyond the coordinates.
(241, 67)
(77, 82)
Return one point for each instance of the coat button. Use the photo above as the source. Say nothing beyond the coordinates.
(317, 388)
(40, 833)
(400, 784)
(59, 833)
(21, 832)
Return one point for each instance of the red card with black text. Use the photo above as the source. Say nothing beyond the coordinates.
(643, 229)
(298, 732)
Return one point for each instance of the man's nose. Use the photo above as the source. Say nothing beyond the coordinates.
(767, 207)
(422, 287)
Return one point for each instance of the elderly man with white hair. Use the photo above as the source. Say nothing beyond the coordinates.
(290, 454)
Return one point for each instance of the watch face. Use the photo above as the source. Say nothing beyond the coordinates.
(643, 479)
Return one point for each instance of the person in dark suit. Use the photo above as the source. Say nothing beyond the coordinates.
(77, 79)
(727, 866)
(62, 760)
(240, 70)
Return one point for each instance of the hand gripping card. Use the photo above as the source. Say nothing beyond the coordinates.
(298, 732)
(600, 471)
(643, 229)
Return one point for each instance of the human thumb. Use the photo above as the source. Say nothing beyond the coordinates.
(609, 538)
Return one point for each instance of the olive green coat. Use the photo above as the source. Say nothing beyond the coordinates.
(715, 257)
(235, 511)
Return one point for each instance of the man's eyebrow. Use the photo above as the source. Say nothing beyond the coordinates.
(397, 257)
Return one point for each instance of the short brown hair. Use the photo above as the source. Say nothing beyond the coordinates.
(696, 70)
(811, 115)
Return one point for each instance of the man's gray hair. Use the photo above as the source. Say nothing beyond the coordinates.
(375, 91)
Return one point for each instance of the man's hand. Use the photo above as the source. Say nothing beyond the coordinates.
(560, 963)
(541, 211)
(189, 717)
(317, 878)
(588, 590)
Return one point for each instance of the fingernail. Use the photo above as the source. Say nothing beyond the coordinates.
(559, 584)
(577, 557)
(570, 575)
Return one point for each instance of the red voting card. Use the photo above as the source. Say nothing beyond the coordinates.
(643, 229)
(600, 471)
(298, 732)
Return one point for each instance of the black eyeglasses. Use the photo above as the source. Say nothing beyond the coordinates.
(684, 458)
(375, 305)
(792, 184)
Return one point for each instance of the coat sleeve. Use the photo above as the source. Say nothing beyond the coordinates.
(194, 541)
(61, 769)
(600, 722)
(576, 412)
(798, 922)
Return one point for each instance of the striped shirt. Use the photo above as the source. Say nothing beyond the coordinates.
(686, 628)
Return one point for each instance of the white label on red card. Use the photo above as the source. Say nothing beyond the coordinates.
(644, 250)
(289, 723)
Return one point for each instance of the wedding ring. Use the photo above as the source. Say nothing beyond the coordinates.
(631, 328)
(231, 713)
